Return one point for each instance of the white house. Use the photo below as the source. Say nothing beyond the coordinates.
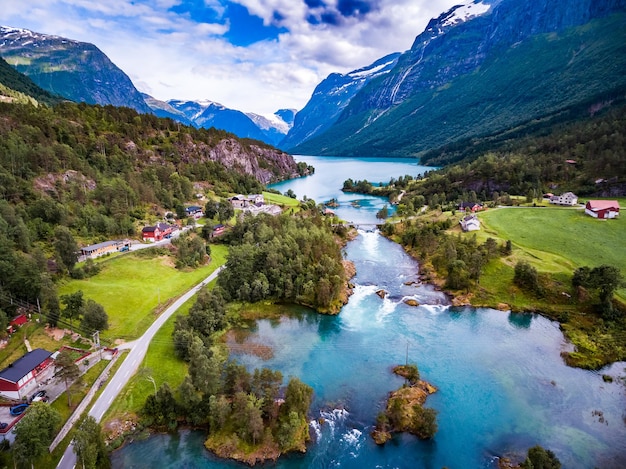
(470, 223)
(569, 198)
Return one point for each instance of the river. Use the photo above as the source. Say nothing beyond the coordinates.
(503, 386)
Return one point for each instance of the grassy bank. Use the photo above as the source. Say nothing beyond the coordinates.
(556, 241)
(559, 240)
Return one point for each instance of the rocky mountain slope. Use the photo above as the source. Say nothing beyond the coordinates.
(330, 98)
(76, 70)
(482, 68)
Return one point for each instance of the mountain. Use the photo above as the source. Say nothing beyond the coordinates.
(330, 98)
(274, 127)
(15, 86)
(165, 109)
(269, 129)
(481, 69)
(75, 70)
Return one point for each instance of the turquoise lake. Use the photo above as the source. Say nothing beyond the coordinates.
(503, 386)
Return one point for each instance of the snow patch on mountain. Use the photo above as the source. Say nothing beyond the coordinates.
(269, 121)
(464, 12)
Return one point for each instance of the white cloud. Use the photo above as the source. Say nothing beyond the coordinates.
(171, 56)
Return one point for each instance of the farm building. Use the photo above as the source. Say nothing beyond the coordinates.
(100, 249)
(23, 375)
(569, 198)
(17, 321)
(602, 209)
(470, 223)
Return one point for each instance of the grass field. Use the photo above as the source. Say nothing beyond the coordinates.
(282, 200)
(132, 288)
(559, 240)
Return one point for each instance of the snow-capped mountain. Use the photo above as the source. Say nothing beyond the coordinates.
(204, 113)
(78, 71)
(479, 69)
(330, 98)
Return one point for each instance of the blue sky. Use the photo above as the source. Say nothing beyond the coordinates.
(252, 55)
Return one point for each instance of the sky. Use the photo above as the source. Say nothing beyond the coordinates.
(251, 55)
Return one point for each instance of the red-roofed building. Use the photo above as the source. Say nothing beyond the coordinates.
(602, 209)
(157, 232)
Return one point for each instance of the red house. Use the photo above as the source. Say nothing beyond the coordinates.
(156, 232)
(23, 375)
(602, 209)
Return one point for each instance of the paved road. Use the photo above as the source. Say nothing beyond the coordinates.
(130, 366)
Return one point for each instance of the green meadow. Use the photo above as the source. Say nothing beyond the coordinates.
(559, 240)
(280, 200)
(133, 288)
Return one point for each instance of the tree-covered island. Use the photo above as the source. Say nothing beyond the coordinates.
(405, 411)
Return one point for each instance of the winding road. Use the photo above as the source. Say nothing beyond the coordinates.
(129, 367)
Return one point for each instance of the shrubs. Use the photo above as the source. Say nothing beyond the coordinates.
(526, 277)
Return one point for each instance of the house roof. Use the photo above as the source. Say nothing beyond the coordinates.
(24, 365)
(149, 229)
(95, 247)
(595, 205)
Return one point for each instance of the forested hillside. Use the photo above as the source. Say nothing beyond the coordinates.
(19, 87)
(85, 173)
(586, 157)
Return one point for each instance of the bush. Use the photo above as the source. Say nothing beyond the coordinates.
(526, 276)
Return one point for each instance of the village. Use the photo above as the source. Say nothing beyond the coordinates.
(163, 231)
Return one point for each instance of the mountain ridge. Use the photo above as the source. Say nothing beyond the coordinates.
(480, 76)
(78, 71)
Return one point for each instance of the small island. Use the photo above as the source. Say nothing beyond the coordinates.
(404, 411)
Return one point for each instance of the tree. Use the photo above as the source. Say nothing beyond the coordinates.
(211, 209)
(191, 251)
(94, 317)
(458, 276)
(424, 422)
(540, 458)
(526, 276)
(34, 433)
(4, 322)
(297, 397)
(605, 279)
(66, 368)
(225, 210)
(73, 305)
(89, 445)
(383, 213)
(65, 247)
(161, 408)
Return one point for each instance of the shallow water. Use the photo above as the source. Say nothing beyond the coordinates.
(503, 386)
